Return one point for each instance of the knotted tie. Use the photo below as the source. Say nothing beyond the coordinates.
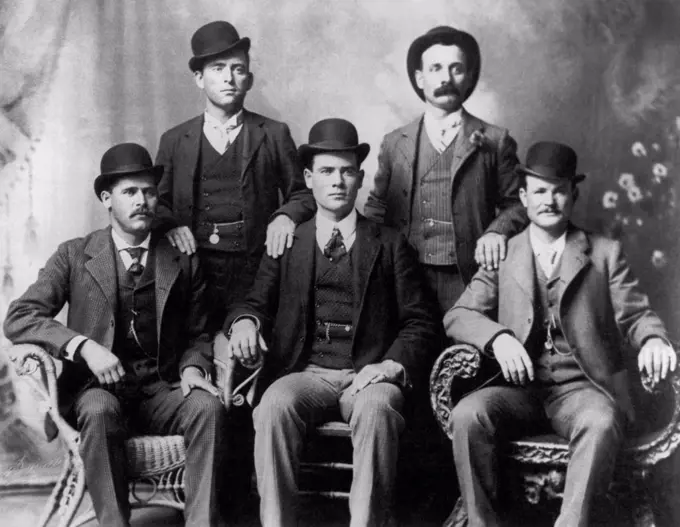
(548, 259)
(335, 248)
(136, 268)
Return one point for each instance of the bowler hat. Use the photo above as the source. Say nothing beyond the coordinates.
(333, 135)
(447, 36)
(214, 39)
(551, 161)
(123, 160)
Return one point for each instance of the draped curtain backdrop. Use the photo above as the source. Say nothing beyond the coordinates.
(77, 76)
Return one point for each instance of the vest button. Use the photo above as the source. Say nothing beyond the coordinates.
(404, 192)
(208, 207)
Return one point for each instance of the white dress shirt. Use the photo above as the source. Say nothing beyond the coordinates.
(347, 227)
(443, 131)
(547, 254)
(221, 135)
(120, 245)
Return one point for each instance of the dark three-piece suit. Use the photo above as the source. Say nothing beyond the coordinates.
(168, 326)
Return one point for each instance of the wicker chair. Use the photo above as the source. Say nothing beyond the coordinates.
(156, 463)
(533, 469)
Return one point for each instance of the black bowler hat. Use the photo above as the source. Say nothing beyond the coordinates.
(122, 160)
(333, 135)
(214, 39)
(447, 36)
(551, 161)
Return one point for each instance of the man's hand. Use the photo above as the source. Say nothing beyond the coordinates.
(104, 364)
(657, 358)
(246, 342)
(385, 371)
(191, 378)
(182, 238)
(513, 359)
(490, 250)
(279, 235)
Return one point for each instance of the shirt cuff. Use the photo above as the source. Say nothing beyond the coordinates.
(72, 346)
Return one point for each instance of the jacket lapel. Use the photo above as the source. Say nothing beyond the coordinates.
(575, 257)
(408, 142)
(520, 262)
(187, 158)
(102, 264)
(167, 271)
(302, 260)
(464, 147)
(253, 134)
(366, 248)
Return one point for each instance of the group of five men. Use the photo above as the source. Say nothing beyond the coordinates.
(234, 230)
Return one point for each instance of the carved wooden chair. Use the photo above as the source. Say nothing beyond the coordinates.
(533, 468)
(156, 463)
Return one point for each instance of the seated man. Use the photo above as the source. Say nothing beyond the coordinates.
(554, 316)
(134, 349)
(349, 333)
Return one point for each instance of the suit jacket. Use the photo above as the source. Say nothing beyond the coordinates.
(392, 317)
(82, 272)
(482, 180)
(269, 166)
(601, 307)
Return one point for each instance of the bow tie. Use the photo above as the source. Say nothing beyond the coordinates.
(136, 253)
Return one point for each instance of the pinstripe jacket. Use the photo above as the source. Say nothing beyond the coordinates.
(482, 183)
(82, 272)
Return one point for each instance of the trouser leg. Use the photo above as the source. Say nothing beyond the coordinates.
(375, 417)
(102, 448)
(479, 421)
(594, 426)
(201, 418)
(288, 408)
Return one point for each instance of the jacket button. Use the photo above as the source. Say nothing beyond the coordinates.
(404, 192)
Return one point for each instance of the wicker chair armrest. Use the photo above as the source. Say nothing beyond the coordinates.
(457, 367)
(38, 369)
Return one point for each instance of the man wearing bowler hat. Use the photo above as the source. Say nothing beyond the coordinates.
(446, 179)
(225, 171)
(346, 332)
(555, 316)
(134, 349)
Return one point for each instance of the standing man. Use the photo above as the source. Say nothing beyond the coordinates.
(225, 171)
(134, 347)
(349, 333)
(446, 180)
(556, 316)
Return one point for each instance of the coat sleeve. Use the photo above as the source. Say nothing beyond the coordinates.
(511, 217)
(262, 300)
(30, 318)
(376, 203)
(632, 311)
(415, 345)
(299, 204)
(199, 351)
(164, 217)
(472, 319)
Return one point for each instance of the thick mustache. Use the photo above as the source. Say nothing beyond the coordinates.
(446, 89)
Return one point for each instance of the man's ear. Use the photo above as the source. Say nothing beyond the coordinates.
(419, 78)
(360, 177)
(105, 197)
(575, 193)
(250, 81)
(198, 78)
(523, 196)
(308, 178)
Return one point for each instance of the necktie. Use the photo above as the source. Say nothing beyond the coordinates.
(335, 248)
(448, 134)
(549, 258)
(136, 253)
